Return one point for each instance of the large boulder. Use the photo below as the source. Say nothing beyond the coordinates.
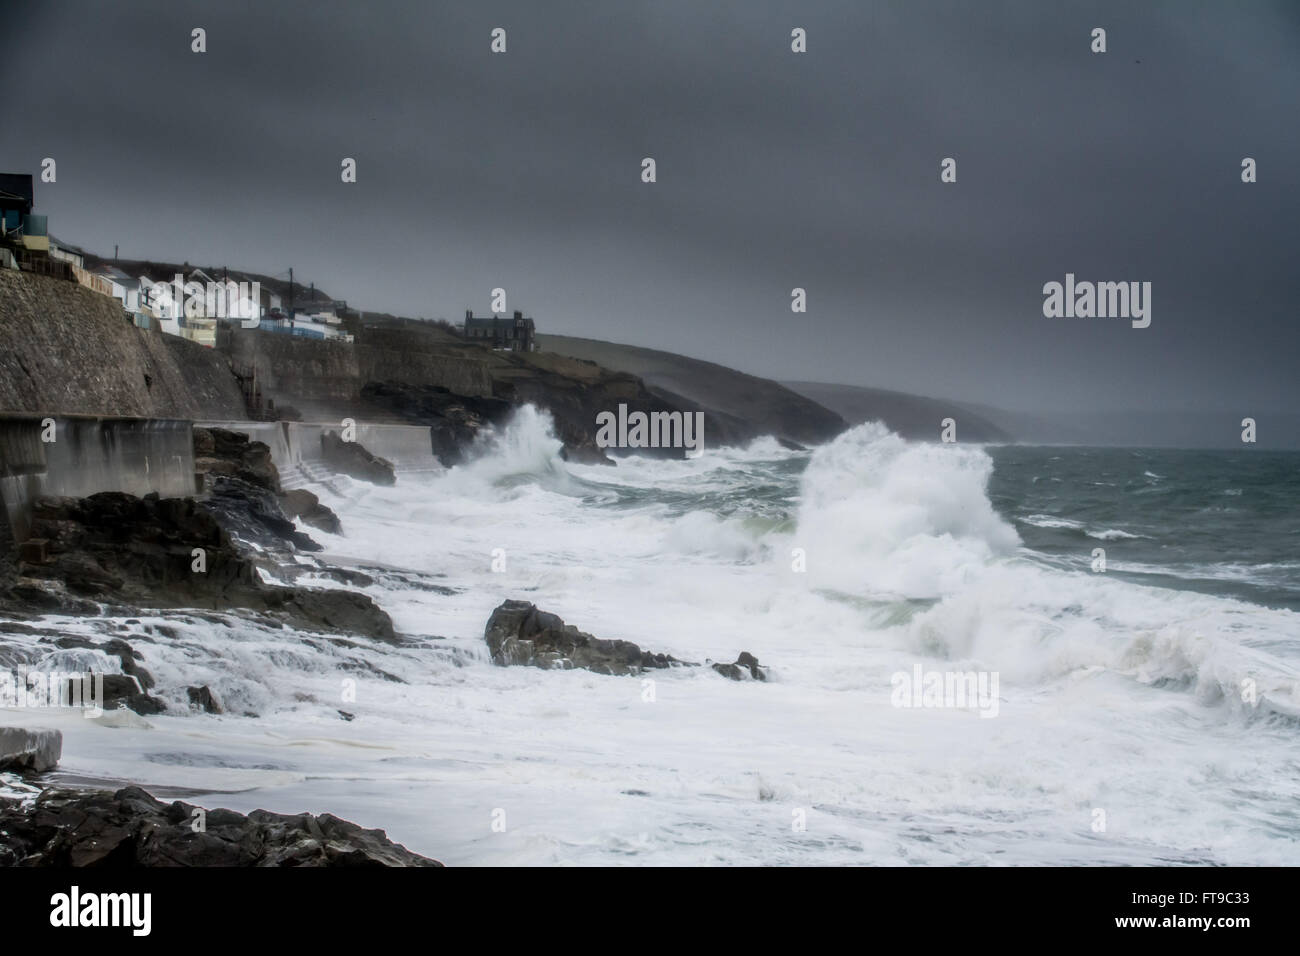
(519, 633)
(219, 451)
(130, 828)
(301, 503)
(351, 459)
(746, 667)
(203, 699)
(120, 691)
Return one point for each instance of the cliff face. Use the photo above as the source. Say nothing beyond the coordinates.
(65, 349)
(424, 357)
(323, 379)
(394, 373)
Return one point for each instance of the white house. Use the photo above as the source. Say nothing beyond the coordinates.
(67, 253)
(125, 289)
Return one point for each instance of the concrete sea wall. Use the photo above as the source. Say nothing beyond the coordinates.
(296, 451)
(89, 454)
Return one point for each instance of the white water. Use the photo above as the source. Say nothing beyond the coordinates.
(1113, 697)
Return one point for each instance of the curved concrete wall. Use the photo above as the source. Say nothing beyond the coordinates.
(295, 446)
(88, 455)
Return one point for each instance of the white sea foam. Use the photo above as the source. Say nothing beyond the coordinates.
(1113, 695)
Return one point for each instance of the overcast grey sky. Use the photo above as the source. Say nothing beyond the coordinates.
(775, 170)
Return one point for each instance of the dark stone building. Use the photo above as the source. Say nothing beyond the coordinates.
(517, 334)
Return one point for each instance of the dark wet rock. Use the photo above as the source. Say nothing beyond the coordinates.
(519, 633)
(203, 699)
(454, 420)
(29, 750)
(124, 652)
(333, 611)
(301, 503)
(14, 627)
(114, 545)
(350, 576)
(746, 667)
(29, 597)
(219, 451)
(138, 552)
(253, 513)
(111, 692)
(586, 452)
(244, 485)
(130, 828)
(413, 580)
(129, 696)
(350, 458)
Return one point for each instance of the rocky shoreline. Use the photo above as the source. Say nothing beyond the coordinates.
(118, 552)
(130, 828)
(116, 555)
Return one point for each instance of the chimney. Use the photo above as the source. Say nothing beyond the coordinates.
(518, 314)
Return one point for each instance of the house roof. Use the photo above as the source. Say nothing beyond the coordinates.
(67, 246)
(494, 320)
(118, 276)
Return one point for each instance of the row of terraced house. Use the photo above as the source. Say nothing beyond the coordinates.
(156, 297)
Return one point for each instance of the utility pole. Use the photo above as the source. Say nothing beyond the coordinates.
(114, 252)
(291, 294)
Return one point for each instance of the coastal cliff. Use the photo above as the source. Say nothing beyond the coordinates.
(65, 349)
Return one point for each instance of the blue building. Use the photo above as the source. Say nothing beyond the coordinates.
(16, 200)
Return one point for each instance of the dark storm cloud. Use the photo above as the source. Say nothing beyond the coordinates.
(775, 170)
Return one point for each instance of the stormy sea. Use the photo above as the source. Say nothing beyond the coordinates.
(1138, 608)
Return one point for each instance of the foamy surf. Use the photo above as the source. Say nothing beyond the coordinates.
(838, 569)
